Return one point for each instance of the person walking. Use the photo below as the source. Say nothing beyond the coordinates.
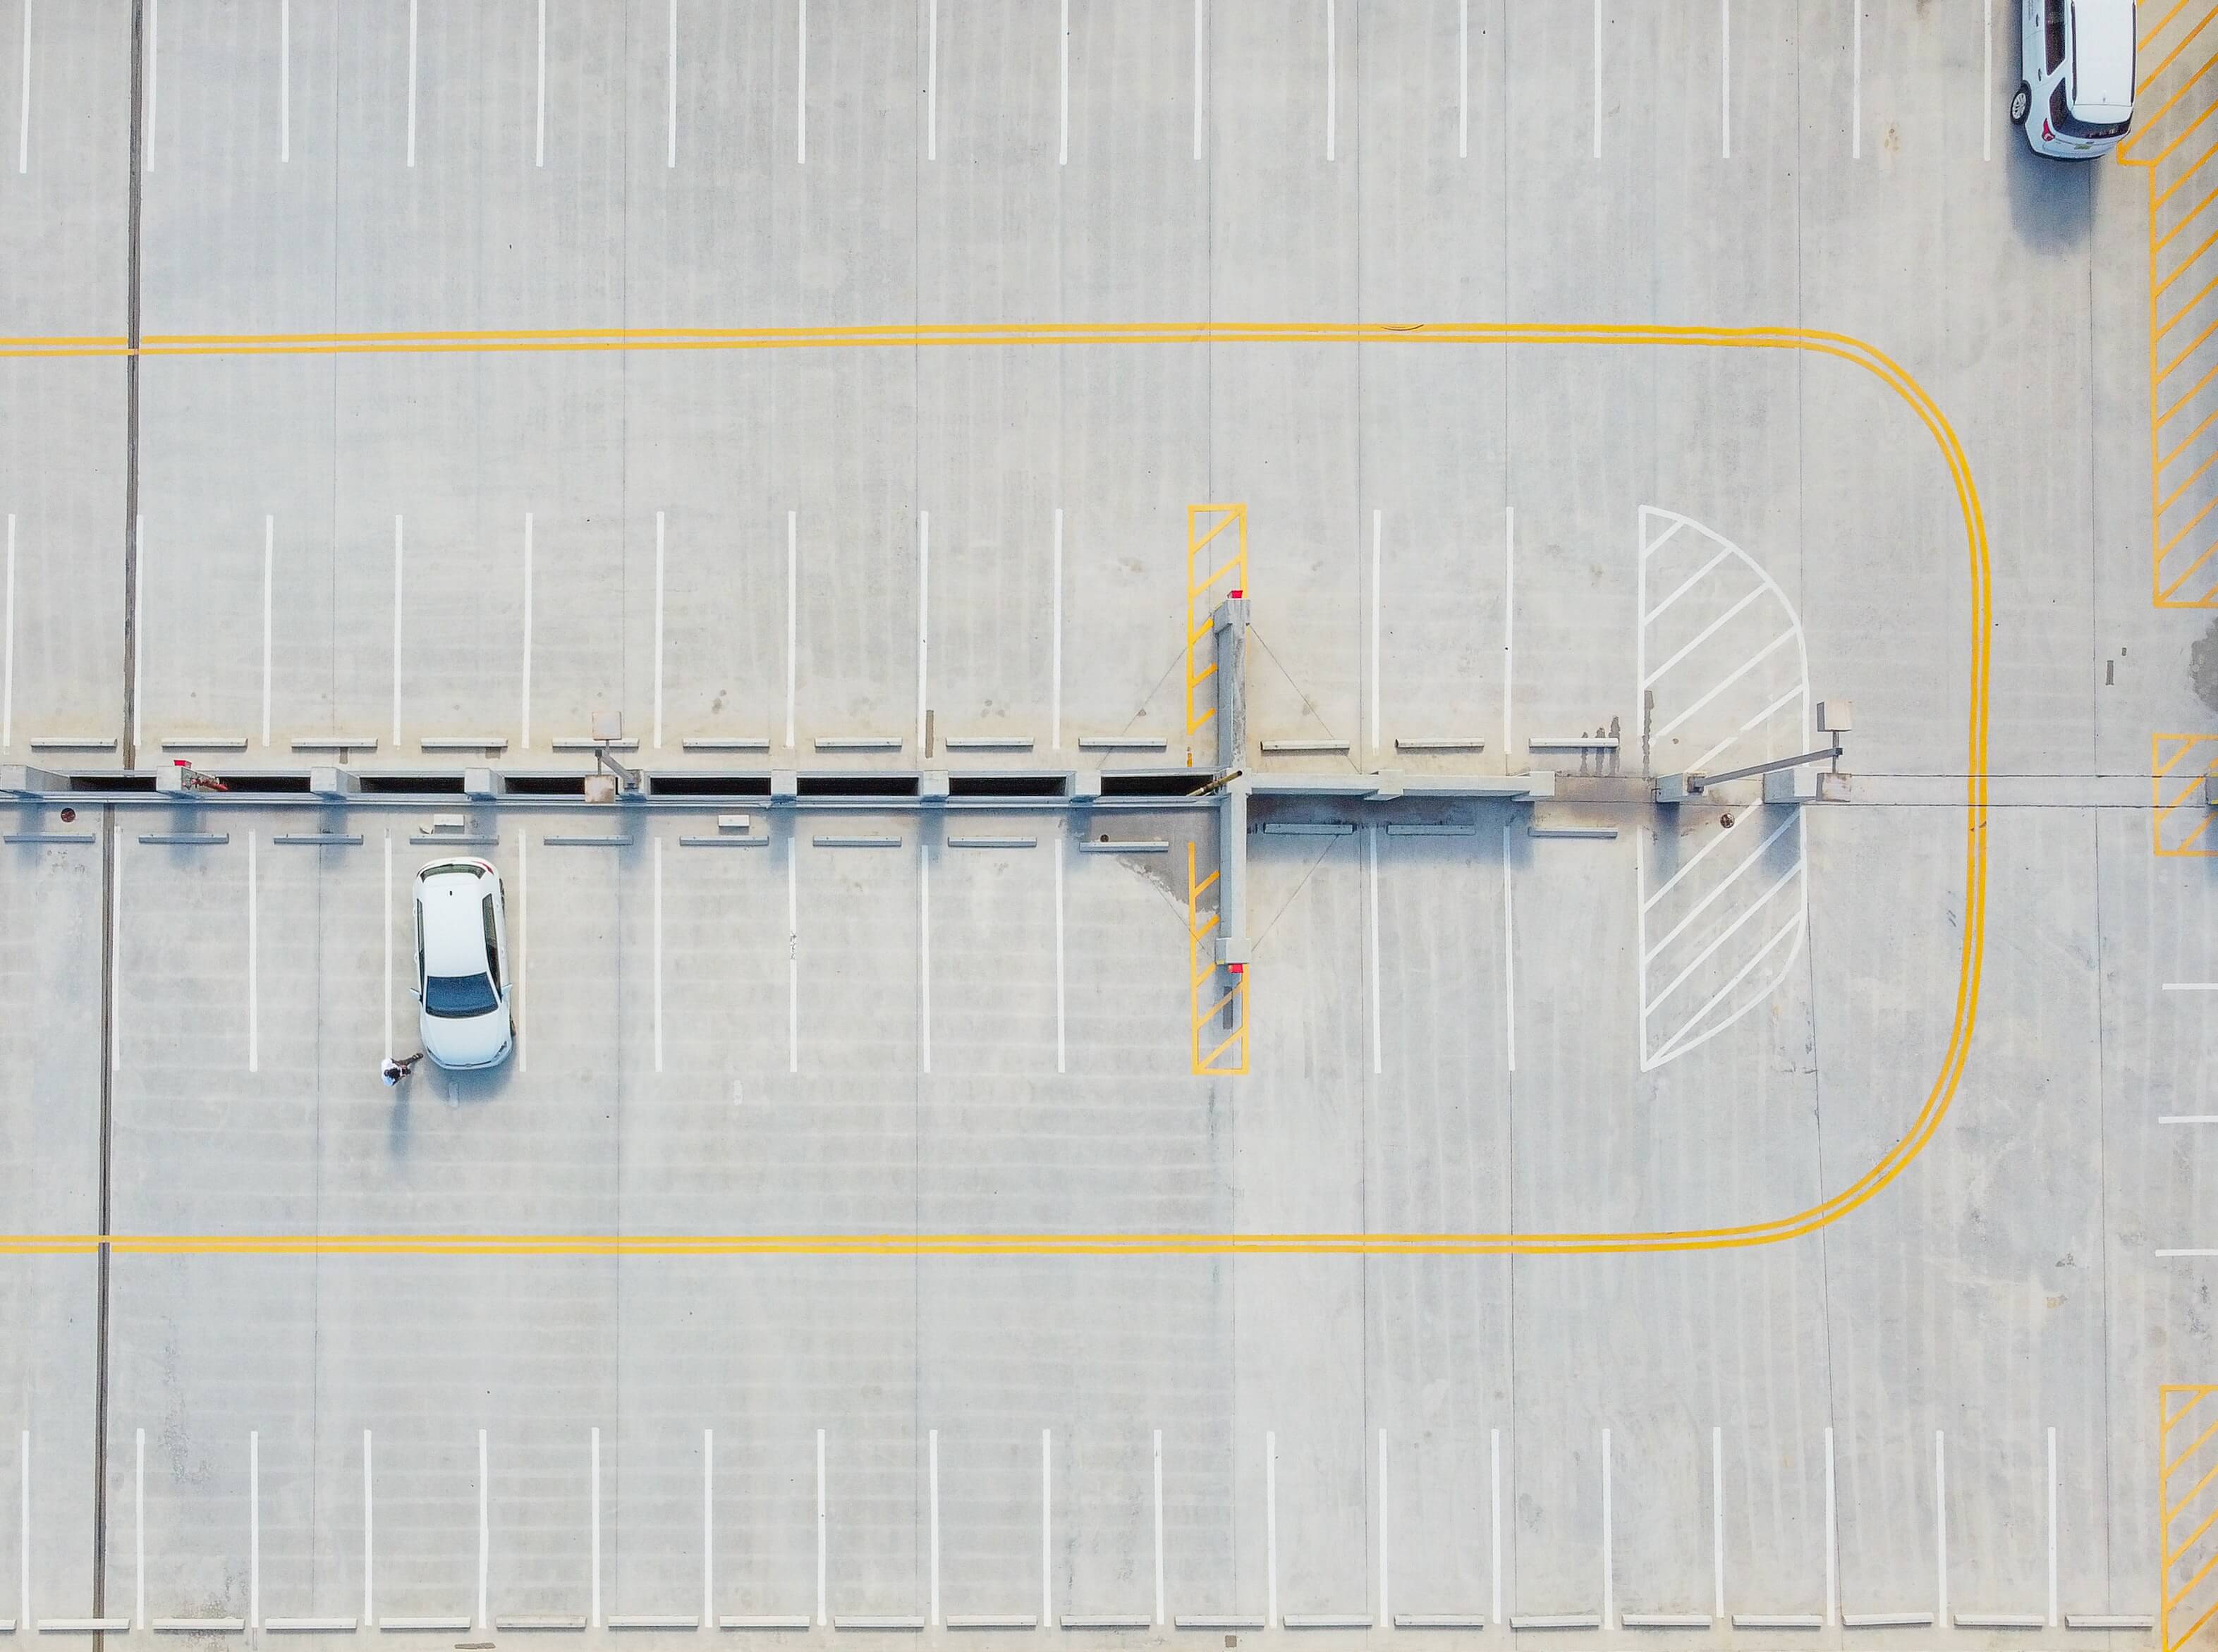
(393, 1072)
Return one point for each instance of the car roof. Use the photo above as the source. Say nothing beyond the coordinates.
(454, 926)
(2102, 57)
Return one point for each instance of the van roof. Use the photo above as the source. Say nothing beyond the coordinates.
(2103, 59)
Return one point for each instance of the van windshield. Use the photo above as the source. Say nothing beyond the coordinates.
(457, 996)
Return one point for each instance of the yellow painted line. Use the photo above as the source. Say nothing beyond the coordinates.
(1771, 1231)
(2211, 458)
(2157, 26)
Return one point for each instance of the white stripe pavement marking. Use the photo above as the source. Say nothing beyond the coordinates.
(1200, 95)
(1508, 959)
(1509, 618)
(1062, 122)
(2188, 1118)
(1680, 1042)
(1856, 81)
(1701, 637)
(539, 119)
(1377, 531)
(792, 954)
(670, 159)
(1597, 79)
(1371, 920)
(1832, 1574)
(253, 963)
(792, 606)
(2191, 986)
(1055, 651)
(23, 165)
(1986, 80)
(138, 634)
(524, 743)
(485, 1530)
(387, 1034)
(1609, 1566)
(24, 1512)
(253, 1523)
(411, 82)
(708, 1520)
(1463, 81)
(923, 618)
(593, 1620)
(658, 955)
(8, 645)
(523, 951)
(2052, 1529)
(138, 1526)
(1331, 82)
(1717, 941)
(801, 84)
(924, 954)
(1271, 1529)
(1725, 77)
(1652, 546)
(822, 1616)
(1939, 1530)
(1740, 820)
(115, 947)
(659, 597)
(932, 1467)
(1047, 1548)
(268, 574)
(398, 586)
(1385, 1614)
(153, 58)
(368, 1504)
(1056, 855)
(931, 88)
(1751, 663)
(2187, 1253)
(1718, 1526)
(1493, 1515)
(285, 80)
(1159, 1520)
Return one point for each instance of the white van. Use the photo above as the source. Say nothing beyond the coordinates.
(2077, 99)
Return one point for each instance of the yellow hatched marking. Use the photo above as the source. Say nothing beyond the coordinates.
(1204, 522)
(1228, 1056)
(2180, 820)
(2182, 1614)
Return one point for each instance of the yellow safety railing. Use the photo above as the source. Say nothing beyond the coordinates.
(1214, 1056)
(2175, 142)
(1205, 523)
(2187, 1457)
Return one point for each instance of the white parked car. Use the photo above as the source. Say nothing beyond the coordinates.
(461, 961)
(2077, 99)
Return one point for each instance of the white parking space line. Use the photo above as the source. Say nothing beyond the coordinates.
(1832, 1561)
(523, 951)
(399, 553)
(2188, 1118)
(1939, 1530)
(822, 1616)
(539, 120)
(137, 632)
(593, 1505)
(670, 155)
(1718, 1525)
(484, 1531)
(1986, 80)
(1370, 941)
(658, 955)
(115, 947)
(1597, 78)
(153, 59)
(1055, 858)
(1377, 530)
(253, 964)
(932, 80)
(1331, 81)
(2191, 986)
(793, 953)
(23, 1514)
(411, 82)
(1271, 1530)
(1386, 1609)
(369, 1521)
(1493, 1515)
(931, 1470)
(1200, 84)
(1510, 602)
(1855, 80)
(285, 80)
(1055, 643)
(253, 1523)
(139, 1525)
(524, 742)
(2053, 1618)
(1725, 77)
(23, 109)
(1509, 957)
(801, 85)
(1062, 119)
(923, 617)
(387, 1035)
(7, 644)
(792, 609)
(1159, 1517)
(1608, 1564)
(658, 628)
(1047, 1546)
(269, 569)
(1463, 80)
(708, 1517)
(924, 954)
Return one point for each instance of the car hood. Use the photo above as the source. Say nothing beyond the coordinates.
(480, 1040)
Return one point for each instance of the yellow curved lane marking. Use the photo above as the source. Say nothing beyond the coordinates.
(1840, 346)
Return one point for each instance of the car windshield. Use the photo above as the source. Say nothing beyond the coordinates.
(460, 995)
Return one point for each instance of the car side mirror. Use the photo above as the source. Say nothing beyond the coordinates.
(416, 994)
